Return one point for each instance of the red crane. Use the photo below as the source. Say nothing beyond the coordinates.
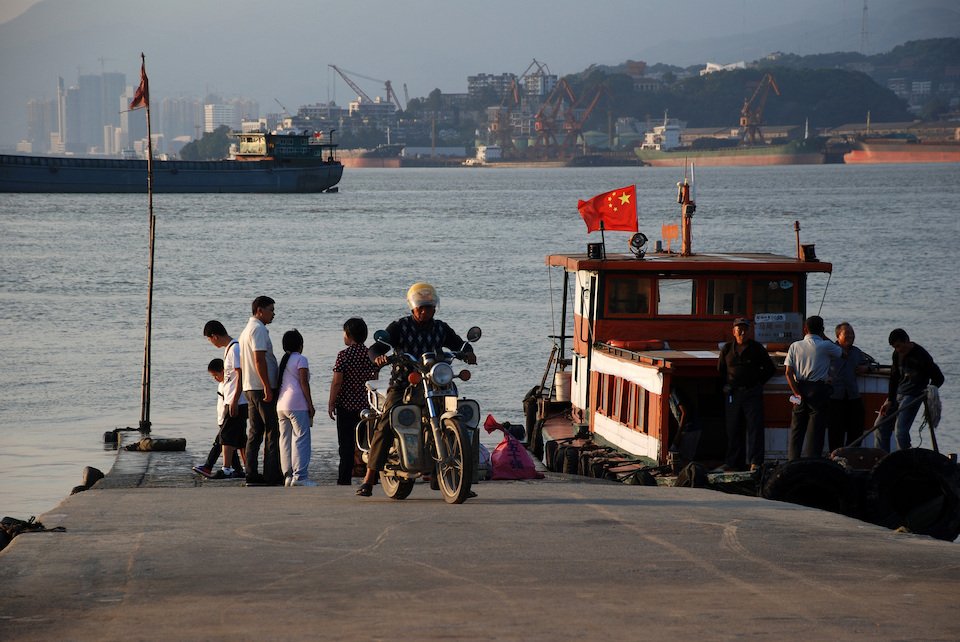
(751, 114)
(391, 95)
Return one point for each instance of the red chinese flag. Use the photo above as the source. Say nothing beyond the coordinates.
(616, 210)
(142, 97)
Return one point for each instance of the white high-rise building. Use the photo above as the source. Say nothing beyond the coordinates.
(215, 116)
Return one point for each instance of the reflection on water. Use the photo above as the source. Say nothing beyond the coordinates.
(73, 281)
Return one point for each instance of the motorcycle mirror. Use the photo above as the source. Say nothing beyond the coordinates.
(473, 334)
(382, 336)
(464, 375)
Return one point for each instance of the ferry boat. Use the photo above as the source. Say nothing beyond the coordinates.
(265, 163)
(647, 324)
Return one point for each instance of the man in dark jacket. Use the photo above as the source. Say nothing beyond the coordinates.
(913, 370)
(415, 334)
(744, 367)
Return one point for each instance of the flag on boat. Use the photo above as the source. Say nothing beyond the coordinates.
(142, 96)
(616, 210)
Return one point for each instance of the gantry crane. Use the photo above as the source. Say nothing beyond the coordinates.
(391, 95)
(751, 114)
(545, 120)
(501, 127)
(577, 115)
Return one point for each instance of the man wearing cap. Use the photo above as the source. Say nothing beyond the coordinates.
(415, 334)
(744, 367)
(808, 369)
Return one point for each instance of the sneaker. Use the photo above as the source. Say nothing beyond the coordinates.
(287, 482)
(222, 474)
(303, 482)
(255, 479)
(203, 470)
(238, 474)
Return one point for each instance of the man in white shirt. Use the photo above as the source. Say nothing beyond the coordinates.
(233, 419)
(808, 370)
(259, 367)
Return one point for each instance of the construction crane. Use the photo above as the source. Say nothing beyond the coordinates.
(751, 114)
(501, 127)
(577, 116)
(391, 95)
(282, 106)
(545, 120)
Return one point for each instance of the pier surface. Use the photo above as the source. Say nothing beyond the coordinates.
(154, 553)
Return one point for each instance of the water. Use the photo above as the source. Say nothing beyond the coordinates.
(73, 283)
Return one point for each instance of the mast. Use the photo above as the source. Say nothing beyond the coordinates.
(141, 98)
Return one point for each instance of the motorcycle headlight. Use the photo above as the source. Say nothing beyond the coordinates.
(441, 374)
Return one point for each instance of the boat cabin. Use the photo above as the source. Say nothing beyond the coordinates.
(650, 326)
(294, 146)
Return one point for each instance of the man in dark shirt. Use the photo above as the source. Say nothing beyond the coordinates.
(744, 367)
(913, 370)
(415, 334)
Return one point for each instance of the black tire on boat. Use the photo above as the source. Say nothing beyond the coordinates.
(571, 457)
(550, 454)
(916, 489)
(814, 482)
(693, 475)
(640, 477)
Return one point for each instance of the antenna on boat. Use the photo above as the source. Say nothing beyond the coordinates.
(685, 196)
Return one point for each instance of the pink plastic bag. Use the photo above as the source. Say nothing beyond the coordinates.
(510, 460)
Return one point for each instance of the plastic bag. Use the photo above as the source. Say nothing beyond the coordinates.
(510, 460)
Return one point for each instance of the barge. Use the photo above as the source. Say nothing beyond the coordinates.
(265, 163)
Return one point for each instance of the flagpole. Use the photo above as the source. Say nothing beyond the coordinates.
(603, 241)
(145, 377)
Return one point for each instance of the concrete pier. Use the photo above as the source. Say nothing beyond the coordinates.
(154, 553)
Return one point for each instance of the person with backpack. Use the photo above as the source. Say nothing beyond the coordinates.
(232, 419)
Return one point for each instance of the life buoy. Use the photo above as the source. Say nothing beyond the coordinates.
(817, 483)
(637, 345)
(916, 489)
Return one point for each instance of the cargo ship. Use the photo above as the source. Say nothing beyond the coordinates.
(265, 163)
(901, 150)
(802, 152)
(381, 156)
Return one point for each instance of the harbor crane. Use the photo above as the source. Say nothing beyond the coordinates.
(391, 94)
(751, 114)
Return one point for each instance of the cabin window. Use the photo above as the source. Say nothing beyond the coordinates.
(627, 295)
(773, 295)
(727, 297)
(640, 403)
(676, 296)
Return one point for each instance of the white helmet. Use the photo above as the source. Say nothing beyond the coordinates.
(421, 294)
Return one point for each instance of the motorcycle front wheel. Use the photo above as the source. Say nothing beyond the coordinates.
(395, 487)
(455, 468)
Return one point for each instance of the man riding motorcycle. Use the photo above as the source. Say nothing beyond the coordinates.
(415, 334)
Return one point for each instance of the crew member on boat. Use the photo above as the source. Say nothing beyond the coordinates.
(808, 370)
(913, 370)
(744, 367)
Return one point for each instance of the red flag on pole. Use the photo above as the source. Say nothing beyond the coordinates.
(616, 210)
(142, 96)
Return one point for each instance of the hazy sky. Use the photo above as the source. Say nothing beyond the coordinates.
(281, 51)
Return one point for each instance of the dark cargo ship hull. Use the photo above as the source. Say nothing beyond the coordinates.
(43, 174)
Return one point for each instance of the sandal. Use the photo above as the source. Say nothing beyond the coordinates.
(365, 490)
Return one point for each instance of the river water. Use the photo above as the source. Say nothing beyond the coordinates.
(73, 274)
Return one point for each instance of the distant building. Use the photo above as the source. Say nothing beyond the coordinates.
(218, 115)
(713, 67)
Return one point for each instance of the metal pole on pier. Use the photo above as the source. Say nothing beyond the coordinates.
(142, 99)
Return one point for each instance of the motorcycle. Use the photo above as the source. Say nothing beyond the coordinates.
(435, 432)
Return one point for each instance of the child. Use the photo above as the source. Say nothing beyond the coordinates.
(215, 369)
(347, 395)
(294, 411)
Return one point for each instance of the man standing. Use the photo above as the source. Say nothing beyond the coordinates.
(913, 370)
(807, 369)
(744, 367)
(845, 411)
(233, 424)
(259, 367)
